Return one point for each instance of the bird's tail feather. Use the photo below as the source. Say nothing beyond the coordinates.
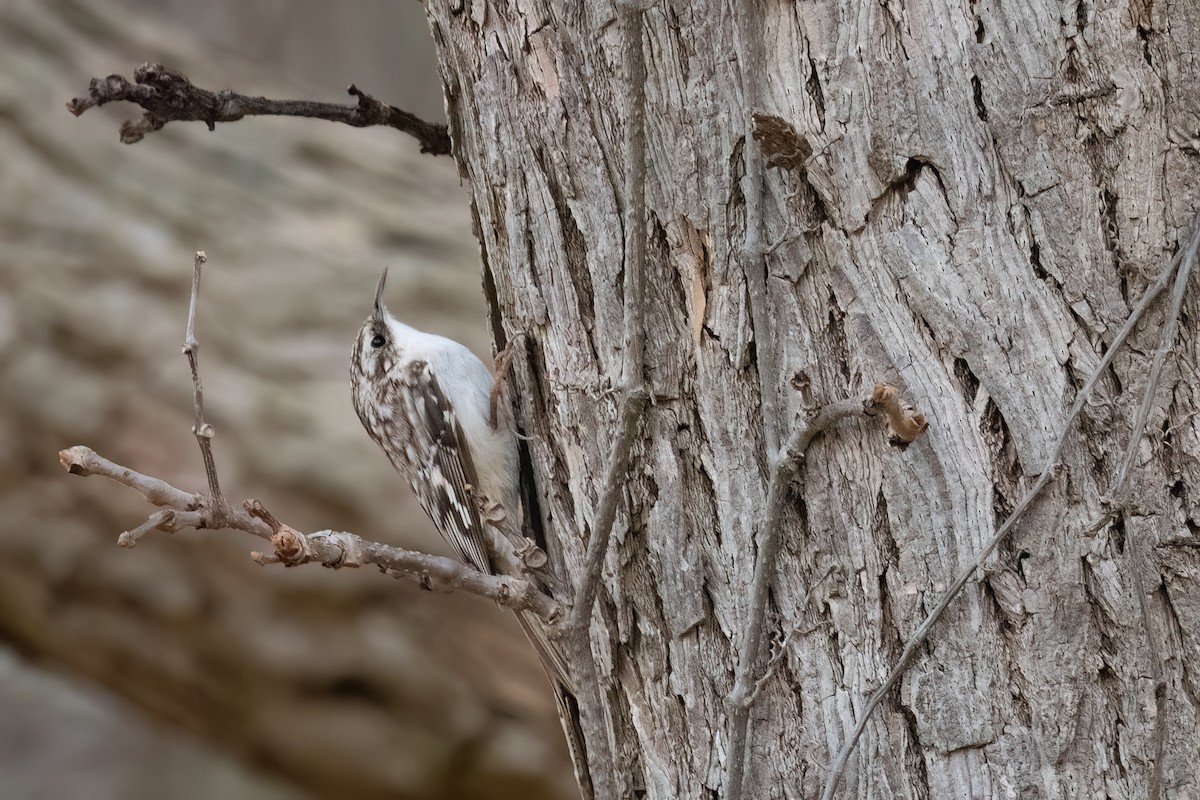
(548, 653)
(555, 666)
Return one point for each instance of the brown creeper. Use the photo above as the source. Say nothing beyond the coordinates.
(427, 402)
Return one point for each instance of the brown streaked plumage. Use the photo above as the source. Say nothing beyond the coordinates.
(426, 401)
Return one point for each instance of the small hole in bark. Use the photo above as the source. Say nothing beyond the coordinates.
(1144, 34)
(977, 89)
(1020, 567)
(1118, 535)
(966, 379)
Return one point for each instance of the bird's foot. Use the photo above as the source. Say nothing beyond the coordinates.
(500, 378)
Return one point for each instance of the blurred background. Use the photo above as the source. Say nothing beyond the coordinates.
(180, 669)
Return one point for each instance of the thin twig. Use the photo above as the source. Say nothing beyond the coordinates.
(593, 720)
(838, 765)
(775, 660)
(753, 253)
(338, 549)
(169, 96)
(1118, 497)
(606, 513)
(1118, 494)
(635, 196)
(290, 547)
(158, 521)
(783, 470)
(1116, 500)
(1158, 737)
(84, 461)
(201, 429)
(635, 395)
(597, 729)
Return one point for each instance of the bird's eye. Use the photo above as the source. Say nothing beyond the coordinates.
(378, 341)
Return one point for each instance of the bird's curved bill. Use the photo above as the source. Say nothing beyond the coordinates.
(379, 293)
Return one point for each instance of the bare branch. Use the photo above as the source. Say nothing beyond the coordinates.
(182, 509)
(635, 396)
(753, 252)
(201, 429)
(1117, 499)
(169, 96)
(1118, 494)
(1051, 470)
(336, 549)
(597, 728)
(292, 548)
(80, 460)
(787, 462)
(781, 652)
(190, 510)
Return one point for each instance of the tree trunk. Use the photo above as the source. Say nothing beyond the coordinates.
(964, 200)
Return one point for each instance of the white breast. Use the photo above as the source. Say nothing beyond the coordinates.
(467, 383)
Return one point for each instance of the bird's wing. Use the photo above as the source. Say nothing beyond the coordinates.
(442, 473)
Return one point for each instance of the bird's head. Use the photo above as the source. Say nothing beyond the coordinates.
(375, 349)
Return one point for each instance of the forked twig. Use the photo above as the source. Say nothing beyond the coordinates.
(634, 397)
(168, 95)
(905, 425)
(180, 510)
(201, 429)
(1117, 499)
(753, 252)
(1118, 494)
(634, 393)
(775, 660)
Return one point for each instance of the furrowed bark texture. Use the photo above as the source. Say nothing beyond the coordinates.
(967, 200)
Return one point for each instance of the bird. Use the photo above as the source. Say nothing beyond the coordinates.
(432, 407)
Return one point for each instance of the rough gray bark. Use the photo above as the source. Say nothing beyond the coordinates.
(965, 200)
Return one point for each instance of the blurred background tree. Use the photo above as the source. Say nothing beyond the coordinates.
(184, 670)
